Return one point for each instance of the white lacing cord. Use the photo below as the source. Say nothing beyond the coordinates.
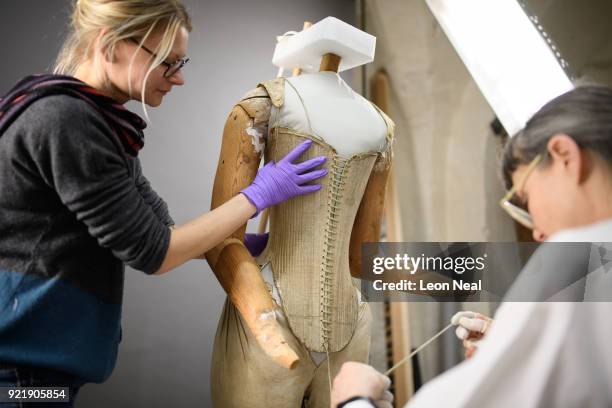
(421, 347)
(339, 167)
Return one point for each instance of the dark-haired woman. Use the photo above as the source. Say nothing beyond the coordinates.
(558, 171)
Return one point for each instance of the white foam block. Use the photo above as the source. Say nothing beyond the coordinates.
(330, 35)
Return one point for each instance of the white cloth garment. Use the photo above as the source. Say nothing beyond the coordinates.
(544, 354)
(324, 101)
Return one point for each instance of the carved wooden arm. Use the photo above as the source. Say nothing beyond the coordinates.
(368, 220)
(235, 268)
(366, 228)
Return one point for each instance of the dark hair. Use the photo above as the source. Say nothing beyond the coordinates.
(584, 114)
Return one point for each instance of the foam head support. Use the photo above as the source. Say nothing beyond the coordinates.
(330, 35)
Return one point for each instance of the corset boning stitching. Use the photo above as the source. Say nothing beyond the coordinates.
(325, 320)
(339, 168)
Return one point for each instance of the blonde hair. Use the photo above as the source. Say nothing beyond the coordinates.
(124, 20)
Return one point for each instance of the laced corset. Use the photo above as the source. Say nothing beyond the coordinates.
(308, 248)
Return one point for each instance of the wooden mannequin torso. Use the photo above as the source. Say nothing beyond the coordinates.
(242, 147)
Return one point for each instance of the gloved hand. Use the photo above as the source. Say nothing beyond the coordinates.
(385, 400)
(357, 379)
(256, 243)
(277, 182)
(471, 328)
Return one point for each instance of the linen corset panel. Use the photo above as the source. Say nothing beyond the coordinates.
(308, 248)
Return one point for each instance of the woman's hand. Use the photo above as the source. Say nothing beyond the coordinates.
(277, 182)
(274, 183)
(471, 328)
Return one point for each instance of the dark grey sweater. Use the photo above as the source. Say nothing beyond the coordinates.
(74, 208)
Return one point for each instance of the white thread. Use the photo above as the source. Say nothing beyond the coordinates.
(421, 347)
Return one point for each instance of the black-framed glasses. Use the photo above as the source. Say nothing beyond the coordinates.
(171, 68)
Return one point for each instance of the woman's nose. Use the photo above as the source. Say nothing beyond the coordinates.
(177, 78)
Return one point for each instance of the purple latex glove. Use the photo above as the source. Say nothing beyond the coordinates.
(277, 182)
(256, 243)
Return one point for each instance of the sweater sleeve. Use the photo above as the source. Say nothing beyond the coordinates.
(79, 156)
(150, 196)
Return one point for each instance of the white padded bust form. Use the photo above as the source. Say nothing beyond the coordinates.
(338, 115)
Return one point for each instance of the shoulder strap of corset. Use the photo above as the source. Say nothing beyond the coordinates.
(388, 121)
(276, 90)
(258, 92)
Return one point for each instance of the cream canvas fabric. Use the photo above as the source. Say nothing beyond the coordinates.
(244, 376)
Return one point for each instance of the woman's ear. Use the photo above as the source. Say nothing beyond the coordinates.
(567, 157)
(103, 48)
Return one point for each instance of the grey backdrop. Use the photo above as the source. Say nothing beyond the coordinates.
(169, 322)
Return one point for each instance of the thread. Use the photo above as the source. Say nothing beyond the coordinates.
(421, 347)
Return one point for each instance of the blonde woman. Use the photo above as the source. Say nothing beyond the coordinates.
(75, 206)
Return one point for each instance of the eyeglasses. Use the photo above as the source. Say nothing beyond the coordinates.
(171, 68)
(516, 211)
